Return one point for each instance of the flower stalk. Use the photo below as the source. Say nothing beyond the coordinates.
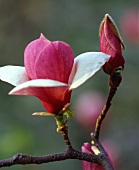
(63, 129)
(114, 81)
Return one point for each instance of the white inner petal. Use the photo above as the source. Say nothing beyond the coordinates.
(85, 66)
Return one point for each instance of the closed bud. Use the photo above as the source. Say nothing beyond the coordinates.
(111, 43)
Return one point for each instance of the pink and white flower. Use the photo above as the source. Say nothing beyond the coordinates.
(51, 72)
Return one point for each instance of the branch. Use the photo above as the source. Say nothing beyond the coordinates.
(68, 154)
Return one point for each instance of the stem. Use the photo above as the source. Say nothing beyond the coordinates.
(114, 81)
(103, 113)
(64, 132)
(63, 129)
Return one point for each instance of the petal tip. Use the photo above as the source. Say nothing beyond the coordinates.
(42, 37)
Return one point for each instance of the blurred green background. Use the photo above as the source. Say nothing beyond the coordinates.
(75, 22)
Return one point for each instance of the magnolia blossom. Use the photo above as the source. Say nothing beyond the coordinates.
(89, 165)
(111, 43)
(111, 150)
(51, 72)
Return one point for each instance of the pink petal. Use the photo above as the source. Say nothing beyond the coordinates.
(56, 99)
(14, 75)
(87, 148)
(89, 165)
(53, 94)
(26, 88)
(112, 44)
(111, 39)
(85, 66)
(55, 62)
(32, 51)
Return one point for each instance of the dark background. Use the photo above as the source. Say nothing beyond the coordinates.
(75, 22)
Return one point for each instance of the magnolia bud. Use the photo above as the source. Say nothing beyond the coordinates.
(111, 43)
